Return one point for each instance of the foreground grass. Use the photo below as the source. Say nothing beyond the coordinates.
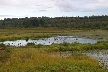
(36, 60)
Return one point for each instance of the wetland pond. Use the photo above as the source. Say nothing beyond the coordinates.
(100, 56)
(50, 40)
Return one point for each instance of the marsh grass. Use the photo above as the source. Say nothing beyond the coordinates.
(14, 34)
(2, 45)
(39, 58)
(34, 60)
(23, 36)
(4, 55)
(93, 34)
(36, 30)
(76, 46)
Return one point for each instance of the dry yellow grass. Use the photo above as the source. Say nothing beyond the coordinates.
(35, 60)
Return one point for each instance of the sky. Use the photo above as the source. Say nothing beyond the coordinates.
(52, 8)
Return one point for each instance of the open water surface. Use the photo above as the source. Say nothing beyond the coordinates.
(50, 40)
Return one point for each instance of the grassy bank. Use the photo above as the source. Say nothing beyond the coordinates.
(78, 46)
(35, 60)
(37, 30)
(71, 46)
(100, 45)
(23, 36)
(14, 34)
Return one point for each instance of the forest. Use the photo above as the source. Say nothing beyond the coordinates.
(86, 22)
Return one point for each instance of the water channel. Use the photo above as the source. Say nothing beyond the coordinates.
(50, 40)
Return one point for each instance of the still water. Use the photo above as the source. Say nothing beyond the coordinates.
(50, 40)
(101, 56)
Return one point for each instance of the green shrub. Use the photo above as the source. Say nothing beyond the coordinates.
(30, 44)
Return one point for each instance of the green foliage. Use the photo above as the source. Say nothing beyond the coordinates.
(30, 44)
(91, 22)
(77, 46)
(25, 36)
(39, 46)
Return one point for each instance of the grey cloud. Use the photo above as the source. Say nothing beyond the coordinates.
(42, 10)
(88, 10)
(81, 5)
(26, 4)
(65, 5)
(5, 15)
(46, 5)
(96, 4)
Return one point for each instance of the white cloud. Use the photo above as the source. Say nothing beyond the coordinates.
(65, 5)
(96, 4)
(5, 15)
(62, 5)
(27, 4)
(33, 7)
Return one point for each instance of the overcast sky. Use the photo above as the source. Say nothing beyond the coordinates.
(52, 8)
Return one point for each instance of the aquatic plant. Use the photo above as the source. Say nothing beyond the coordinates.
(30, 44)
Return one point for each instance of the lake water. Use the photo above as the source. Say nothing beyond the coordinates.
(50, 40)
(101, 56)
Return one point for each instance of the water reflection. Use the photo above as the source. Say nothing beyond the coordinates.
(49, 41)
(101, 56)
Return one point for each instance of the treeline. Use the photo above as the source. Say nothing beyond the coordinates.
(91, 22)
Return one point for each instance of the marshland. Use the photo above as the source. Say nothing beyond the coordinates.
(54, 49)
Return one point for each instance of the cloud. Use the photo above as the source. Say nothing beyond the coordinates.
(81, 5)
(27, 4)
(65, 5)
(6, 15)
(55, 7)
(62, 5)
(96, 5)
(42, 10)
